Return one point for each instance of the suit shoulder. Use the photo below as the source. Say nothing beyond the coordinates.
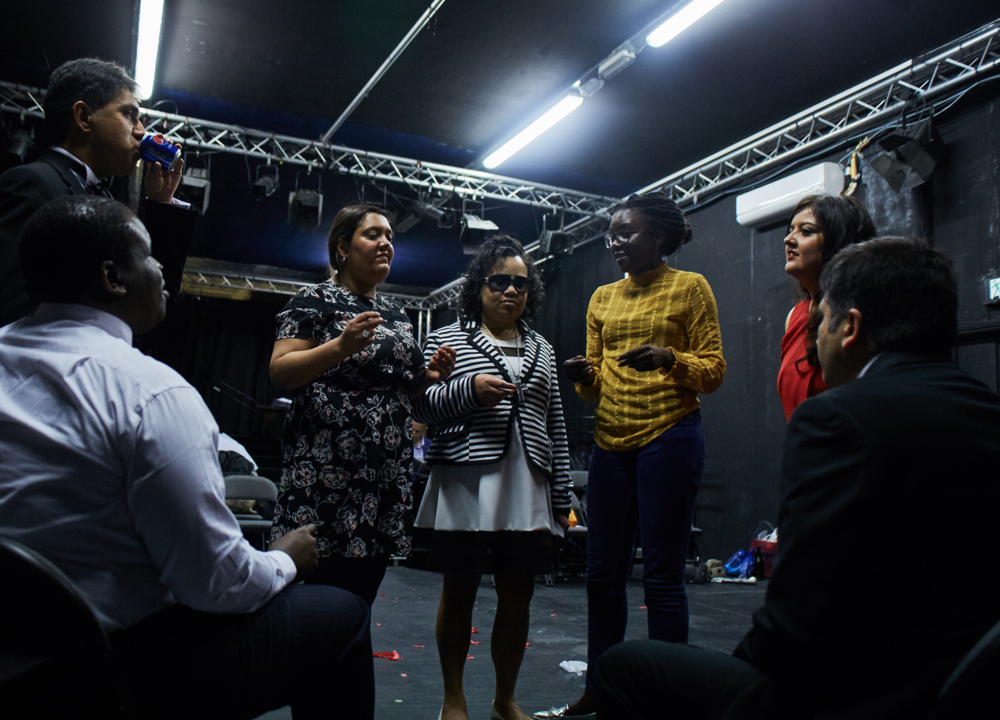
(37, 177)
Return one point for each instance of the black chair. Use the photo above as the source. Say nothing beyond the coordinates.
(255, 527)
(971, 686)
(55, 657)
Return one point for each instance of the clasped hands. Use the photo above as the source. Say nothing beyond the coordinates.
(643, 358)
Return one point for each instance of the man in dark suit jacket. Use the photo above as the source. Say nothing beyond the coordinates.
(92, 121)
(890, 511)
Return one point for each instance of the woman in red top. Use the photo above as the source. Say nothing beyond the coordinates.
(821, 226)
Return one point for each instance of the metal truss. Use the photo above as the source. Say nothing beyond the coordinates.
(211, 136)
(923, 85)
(212, 280)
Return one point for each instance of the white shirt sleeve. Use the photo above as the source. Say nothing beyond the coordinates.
(177, 496)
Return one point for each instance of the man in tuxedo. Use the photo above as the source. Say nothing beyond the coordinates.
(92, 122)
(890, 510)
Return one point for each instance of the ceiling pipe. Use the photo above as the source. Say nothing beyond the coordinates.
(403, 44)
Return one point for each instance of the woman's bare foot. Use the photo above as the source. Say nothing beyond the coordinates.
(454, 710)
(584, 706)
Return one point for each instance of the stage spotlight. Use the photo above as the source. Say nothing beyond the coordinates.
(19, 144)
(422, 209)
(907, 160)
(305, 206)
(474, 231)
(266, 183)
(196, 187)
(555, 242)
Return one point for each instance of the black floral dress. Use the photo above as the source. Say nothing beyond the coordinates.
(347, 447)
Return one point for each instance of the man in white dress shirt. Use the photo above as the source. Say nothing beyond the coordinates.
(110, 470)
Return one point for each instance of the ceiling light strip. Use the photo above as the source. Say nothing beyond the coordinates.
(148, 46)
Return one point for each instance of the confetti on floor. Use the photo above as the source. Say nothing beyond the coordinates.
(393, 655)
(527, 644)
(469, 657)
(643, 607)
(475, 642)
(418, 646)
(475, 630)
(402, 674)
(553, 614)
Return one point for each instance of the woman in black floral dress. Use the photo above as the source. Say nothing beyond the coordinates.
(347, 447)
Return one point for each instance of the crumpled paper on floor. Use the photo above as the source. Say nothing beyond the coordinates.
(574, 666)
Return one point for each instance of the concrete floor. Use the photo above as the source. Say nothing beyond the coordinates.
(411, 689)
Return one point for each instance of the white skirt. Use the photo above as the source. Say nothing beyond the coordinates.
(506, 495)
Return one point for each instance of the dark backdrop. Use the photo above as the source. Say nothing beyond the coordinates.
(959, 210)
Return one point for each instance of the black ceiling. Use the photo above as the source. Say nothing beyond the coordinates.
(482, 69)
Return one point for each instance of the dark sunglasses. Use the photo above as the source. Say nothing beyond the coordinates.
(500, 283)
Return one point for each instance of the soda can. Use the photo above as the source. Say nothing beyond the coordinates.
(154, 149)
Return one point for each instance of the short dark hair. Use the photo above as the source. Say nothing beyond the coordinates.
(65, 242)
(345, 224)
(906, 291)
(842, 219)
(96, 82)
(493, 250)
(663, 214)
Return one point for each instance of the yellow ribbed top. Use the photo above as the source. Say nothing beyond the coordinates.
(667, 308)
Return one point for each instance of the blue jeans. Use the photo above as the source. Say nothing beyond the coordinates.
(653, 489)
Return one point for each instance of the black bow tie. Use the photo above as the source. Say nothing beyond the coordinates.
(97, 189)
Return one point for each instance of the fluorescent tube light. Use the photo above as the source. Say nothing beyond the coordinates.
(150, 17)
(680, 21)
(563, 108)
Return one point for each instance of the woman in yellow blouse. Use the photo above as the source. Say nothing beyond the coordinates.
(653, 344)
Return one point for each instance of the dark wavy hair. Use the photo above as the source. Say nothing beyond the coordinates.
(494, 249)
(663, 215)
(65, 242)
(345, 224)
(842, 219)
(96, 82)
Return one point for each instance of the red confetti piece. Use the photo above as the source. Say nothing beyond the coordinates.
(475, 630)
(469, 657)
(383, 595)
(402, 674)
(379, 624)
(527, 644)
(553, 615)
(418, 646)
(643, 607)
(475, 642)
(387, 655)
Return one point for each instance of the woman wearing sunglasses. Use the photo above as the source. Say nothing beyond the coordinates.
(499, 483)
(653, 344)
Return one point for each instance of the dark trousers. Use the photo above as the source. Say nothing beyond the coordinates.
(309, 647)
(652, 488)
(647, 679)
(361, 576)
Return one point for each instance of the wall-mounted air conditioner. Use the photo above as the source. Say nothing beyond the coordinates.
(776, 200)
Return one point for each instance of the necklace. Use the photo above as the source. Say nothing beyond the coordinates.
(515, 376)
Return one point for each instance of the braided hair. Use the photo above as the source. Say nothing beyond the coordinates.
(494, 249)
(663, 215)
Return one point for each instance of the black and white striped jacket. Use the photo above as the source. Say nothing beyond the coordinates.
(464, 431)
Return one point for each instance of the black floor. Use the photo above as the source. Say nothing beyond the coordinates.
(404, 617)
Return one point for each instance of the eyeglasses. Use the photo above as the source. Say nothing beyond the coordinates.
(500, 283)
(622, 237)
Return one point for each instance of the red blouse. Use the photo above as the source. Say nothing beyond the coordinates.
(797, 379)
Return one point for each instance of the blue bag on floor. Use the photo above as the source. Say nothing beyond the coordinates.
(740, 564)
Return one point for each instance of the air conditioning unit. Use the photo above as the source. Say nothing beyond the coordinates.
(778, 199)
